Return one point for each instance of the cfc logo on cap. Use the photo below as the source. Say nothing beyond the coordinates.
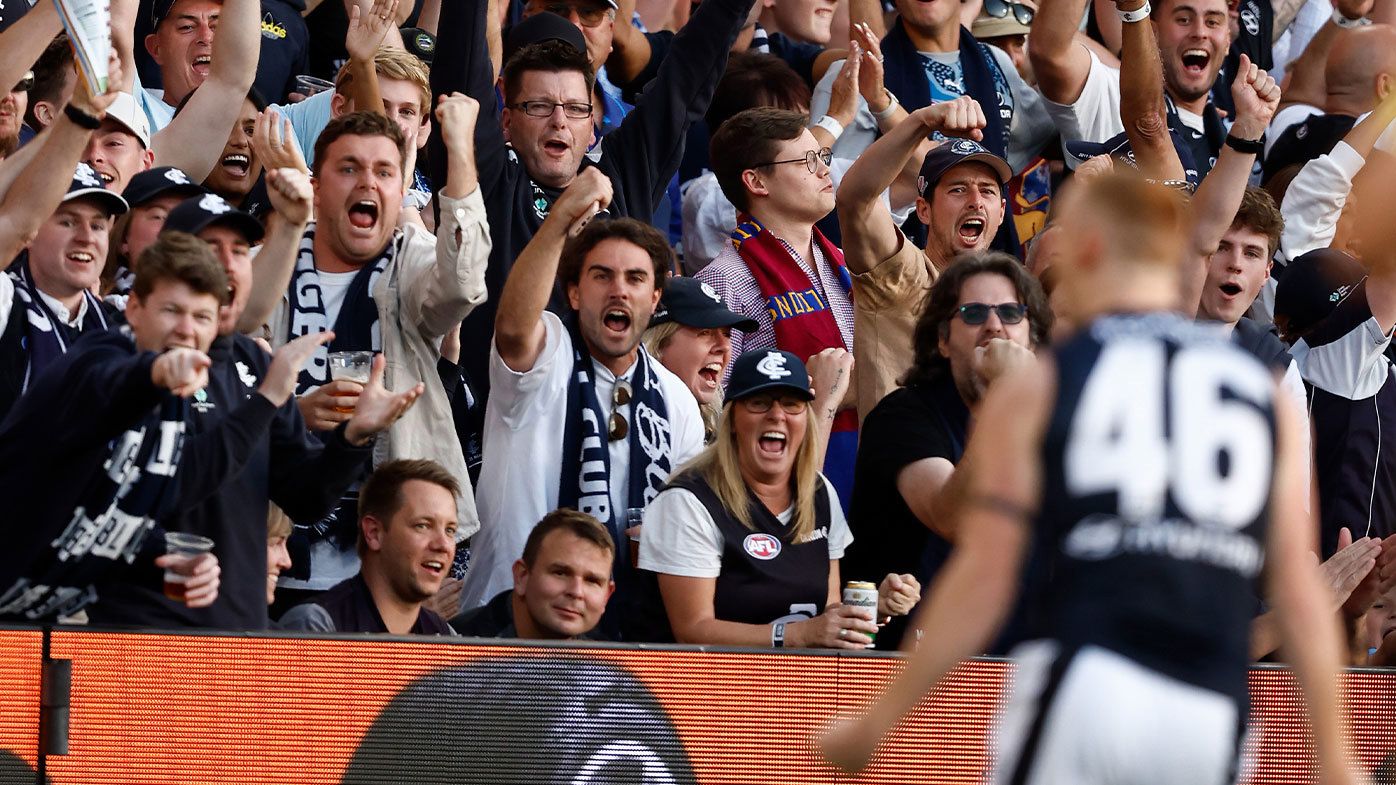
(965, 147)
(87, 176)
(773, 366)
(213, 203)
(710, 292)
(761, 546)
(177, 176)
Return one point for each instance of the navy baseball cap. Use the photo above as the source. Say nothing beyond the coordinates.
(1118, 147)
(692, 303)
(87, 185)
(200, 212)
(160, 181)
(953, 152)
(538, 28)
(768, 369)
(1312, 286)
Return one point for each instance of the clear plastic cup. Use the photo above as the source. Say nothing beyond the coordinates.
(186, 546)
(308, 85)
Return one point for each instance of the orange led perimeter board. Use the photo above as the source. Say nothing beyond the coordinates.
(208, 708)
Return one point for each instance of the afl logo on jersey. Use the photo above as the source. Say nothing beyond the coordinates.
(761, 546)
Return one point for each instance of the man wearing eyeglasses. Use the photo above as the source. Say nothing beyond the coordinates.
(983, 317)
(779, 269)
(526, 161)
(581, 416)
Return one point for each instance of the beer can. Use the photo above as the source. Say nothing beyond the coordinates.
(861, 594)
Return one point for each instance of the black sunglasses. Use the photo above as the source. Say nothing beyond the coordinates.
(616, 426)
(999, 9)
(975, 314)
(26, 83)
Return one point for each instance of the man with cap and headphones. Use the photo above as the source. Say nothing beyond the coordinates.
(961, 201)
(304, 475)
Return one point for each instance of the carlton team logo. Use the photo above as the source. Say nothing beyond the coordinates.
(761, 546)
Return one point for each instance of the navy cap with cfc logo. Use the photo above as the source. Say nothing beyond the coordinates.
(160, 181)
(692, 303)
(200, 212)
(768, 369)
(1312, 286)
(952, 153)
(87, 184)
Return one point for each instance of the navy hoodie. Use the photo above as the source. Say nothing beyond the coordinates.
(285, 465)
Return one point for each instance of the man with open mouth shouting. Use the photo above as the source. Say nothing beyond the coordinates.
(1083, 94)
(581, 415)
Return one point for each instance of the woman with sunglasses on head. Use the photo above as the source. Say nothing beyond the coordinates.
(746, 539)
(984, 314)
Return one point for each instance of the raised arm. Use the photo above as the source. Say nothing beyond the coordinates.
(1308, 83)
(39, 187)
(439, 301)
(1060, 64)
(1142, 109)
(194, 139)
(518, 324)
(23, 42)
(366, 33)
(463, 64)
(1214, 207)
(630, 50)
(869, 234)
(291, 194)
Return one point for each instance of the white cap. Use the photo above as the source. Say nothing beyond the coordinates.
(125, 111)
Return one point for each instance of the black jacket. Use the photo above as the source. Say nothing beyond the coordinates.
(284, 464)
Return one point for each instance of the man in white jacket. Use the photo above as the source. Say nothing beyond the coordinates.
(387, 289)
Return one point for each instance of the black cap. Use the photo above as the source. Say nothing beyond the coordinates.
(200, 212)
(1313, 285)
(543, 27)
(767, 369)
(87, 185)
(154, 183)
(1118, 147)
(420, 43)
(954, 152)
(1302, 142)
(692, 303)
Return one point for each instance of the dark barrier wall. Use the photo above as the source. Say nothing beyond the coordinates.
(150, 708)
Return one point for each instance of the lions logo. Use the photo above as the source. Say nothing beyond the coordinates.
(773, 366)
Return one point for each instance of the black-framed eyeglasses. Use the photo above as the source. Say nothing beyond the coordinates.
(760, 404)
(811, 160)
(588, 15)
(573, 110)
(999, 9)
(616, 426)
(25, 84)
(975, 314)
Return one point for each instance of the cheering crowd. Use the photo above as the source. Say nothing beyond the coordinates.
(639, 320)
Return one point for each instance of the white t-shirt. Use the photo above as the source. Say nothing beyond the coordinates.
(524, 425)
(1095, 117)
(681, 538)
(333, 287)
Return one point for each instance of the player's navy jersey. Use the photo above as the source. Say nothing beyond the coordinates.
(1158, 462)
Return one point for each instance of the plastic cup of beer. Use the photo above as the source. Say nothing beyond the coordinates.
(308, 85)
(186, 546)
(350, 367)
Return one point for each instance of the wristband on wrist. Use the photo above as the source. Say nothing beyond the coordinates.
(82, 119)
(1346, 23)
(1248, 146)
(833, 126)
(1137, 15)
(891, 107)
(778, 635)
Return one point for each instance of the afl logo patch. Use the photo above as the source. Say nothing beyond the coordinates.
(761, 546)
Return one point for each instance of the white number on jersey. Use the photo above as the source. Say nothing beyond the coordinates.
(1119, 440)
